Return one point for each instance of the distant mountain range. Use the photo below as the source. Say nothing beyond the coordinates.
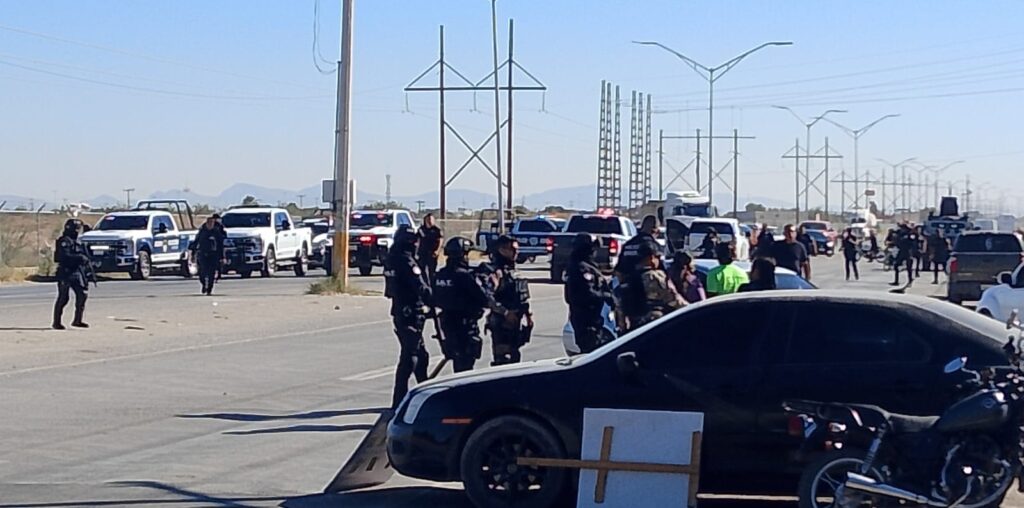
(582, 197)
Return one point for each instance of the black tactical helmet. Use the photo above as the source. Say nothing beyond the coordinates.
(72, 225)
(405, 238)
(502, 241)
(457, 248)
(583, 242)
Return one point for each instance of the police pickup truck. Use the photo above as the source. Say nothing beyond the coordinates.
(371, 235)
(263, 239)
(533, 234)
(611, 230)
(143, 240)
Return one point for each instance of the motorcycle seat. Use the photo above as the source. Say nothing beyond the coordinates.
(864, 415)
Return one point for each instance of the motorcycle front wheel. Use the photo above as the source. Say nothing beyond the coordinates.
(822, 482)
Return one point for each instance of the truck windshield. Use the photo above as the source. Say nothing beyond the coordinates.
(535, 226)
(594, 225)
(246, 220)
(123, 222)
(369, 220)
(693, 210)
(988, 243)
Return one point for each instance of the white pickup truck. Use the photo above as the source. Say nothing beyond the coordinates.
(728, 231)
(263, 240)
(143, 240)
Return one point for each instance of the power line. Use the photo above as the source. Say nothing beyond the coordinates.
(141, 56)
(318, 58)
(158, 90)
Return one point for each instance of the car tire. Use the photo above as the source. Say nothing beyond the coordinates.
(143, 267)
(985, 312)
(269, 263)
(189, 266)
(487, 466)
(828, 464)
(302, 263)
(365, 269)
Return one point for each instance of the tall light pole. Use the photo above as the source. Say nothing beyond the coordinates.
(937, 171)
(711, 74)
(856, 134)
(343, 121)
(497, 116)
(893, 166)
(807, 161)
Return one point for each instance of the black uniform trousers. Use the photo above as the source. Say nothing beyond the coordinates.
(65, 286)
(412, 357)
(586, 323)
(428, 263)
(208, 266)
(462, 342)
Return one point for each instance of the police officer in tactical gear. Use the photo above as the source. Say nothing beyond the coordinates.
(649, 295)
(73, 267)
(462, 300)
(430, 243)
(208, 248)
(408, 290)
(628, 259)
(510, 305)
(586, 292)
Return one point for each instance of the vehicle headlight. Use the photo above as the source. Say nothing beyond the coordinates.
(416, 403)
(256, 245)
(127, 247)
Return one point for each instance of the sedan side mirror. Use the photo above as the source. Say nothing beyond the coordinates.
(628, 365)
(1006, 278)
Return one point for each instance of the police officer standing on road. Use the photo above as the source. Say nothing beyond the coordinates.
(649, 294)
(510, 304)
(906, 244)
(208, 248)
(628, 258)
(73, 265)
(586, 292)
(430, 243)
(462, 300)
(409, 292)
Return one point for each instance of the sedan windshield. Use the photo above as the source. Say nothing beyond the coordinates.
(246, 220)
(123, 223)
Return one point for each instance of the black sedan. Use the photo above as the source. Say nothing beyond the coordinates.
(867, 348)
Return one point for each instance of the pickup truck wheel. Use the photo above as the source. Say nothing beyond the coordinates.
(269, 263)
(491, 476)
(302, 263)
(365, 269)
(143, 268)
(189, 266)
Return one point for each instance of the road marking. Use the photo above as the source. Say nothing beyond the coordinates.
(192, 348)
(370, 374)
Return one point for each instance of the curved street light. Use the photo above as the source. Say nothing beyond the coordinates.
(807, 162)
(856, 134)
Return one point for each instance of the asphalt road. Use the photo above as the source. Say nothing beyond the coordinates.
(245, 417)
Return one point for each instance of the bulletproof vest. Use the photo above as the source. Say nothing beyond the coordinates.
(513, 291)
(636, 302)
(446, 291)
(389, 279)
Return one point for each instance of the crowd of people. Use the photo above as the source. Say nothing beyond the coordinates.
(909, 249)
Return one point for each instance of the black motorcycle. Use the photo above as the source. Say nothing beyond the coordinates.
(968, 457)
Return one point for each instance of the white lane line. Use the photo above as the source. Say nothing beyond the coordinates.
(370, 374)
(193, 348)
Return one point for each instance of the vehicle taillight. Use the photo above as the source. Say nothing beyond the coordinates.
(796, 426)
(549, 245)
(952, 265)
(613, 247)
(366, 239)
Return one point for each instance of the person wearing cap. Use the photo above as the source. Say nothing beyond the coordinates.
(586, 292)
(726, 278)
(409, 292)
(628, 258)
(648, 294)
(208, 249)
(462, 301)
(72, 265)
(510, 320)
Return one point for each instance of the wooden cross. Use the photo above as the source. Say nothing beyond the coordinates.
(604, 465)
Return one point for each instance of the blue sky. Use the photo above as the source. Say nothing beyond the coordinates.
(171, 94)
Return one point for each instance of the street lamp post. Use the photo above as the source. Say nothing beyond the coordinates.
(937, 171)
(894, 176)
(856, 134)
(711, 74)
(807, 161)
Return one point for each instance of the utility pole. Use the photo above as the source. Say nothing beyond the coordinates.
(419, 206)
(128, 196)
(810, 183)
(301, 203)
(709, 74)
(807, 163)
(497, 116)
(387, 190)
(342, 135)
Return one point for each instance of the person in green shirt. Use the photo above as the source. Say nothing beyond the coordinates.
(726, 278)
